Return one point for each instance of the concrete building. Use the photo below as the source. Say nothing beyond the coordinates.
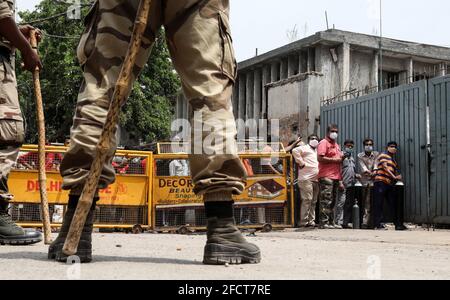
(289, 83)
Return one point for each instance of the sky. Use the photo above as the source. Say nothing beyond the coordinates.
(264, 24)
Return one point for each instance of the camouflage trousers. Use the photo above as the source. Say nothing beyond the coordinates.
(11, 126)
(329, 190)
(8, 157)
(200, 44)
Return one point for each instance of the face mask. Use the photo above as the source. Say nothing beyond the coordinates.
(333, 136)
(349, 150)
(314, 143)
(368, 148)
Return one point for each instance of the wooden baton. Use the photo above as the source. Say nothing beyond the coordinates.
(104, 145)
(41, 147)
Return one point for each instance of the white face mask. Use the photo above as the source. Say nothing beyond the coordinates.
(333, 136)
(314, 143)
(368, 149)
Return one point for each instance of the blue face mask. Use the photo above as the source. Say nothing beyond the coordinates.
(348, 151)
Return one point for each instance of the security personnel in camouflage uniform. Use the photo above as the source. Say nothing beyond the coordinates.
(199, 40)
(11, 121)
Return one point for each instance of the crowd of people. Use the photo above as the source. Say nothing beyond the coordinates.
(331, 180)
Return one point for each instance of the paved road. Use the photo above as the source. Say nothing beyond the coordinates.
(328, 254)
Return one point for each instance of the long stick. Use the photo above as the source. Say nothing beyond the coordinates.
(118, 99)
(41, 147)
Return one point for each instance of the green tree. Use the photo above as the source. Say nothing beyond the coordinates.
(149, 110)
(145, 117)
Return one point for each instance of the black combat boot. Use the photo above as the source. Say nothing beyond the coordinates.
(84, 251)
(12, 234)
(225, 243)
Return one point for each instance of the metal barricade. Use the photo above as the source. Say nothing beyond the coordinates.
(156, 191)
(123, 205)
(266, 203)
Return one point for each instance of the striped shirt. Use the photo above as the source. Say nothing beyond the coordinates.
(382, 174)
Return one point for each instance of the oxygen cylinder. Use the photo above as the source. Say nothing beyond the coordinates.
(355, 215)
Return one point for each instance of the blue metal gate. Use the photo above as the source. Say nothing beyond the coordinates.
(439, 97)
(400, 115)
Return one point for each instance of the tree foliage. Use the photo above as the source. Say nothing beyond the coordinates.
(146, 117)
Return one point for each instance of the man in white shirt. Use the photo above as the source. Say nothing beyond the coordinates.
(179, 168)
(306, 158)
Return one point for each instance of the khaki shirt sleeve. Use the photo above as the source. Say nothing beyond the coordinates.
(5, 10)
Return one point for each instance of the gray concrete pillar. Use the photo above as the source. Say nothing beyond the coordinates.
(284, 68)
(302, 62)
(182, 108)
(242, 94)
(257, 94)
(410, 70)
(249, 95)
(374, 77)
(235, 98)
(442, 69)
(311, 61)
(319, 55)
(274, 72)
(266, 80)
(185, 104)
(292, 65)
(344, 66)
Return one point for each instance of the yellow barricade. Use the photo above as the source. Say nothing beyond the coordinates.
(124, 204)
(156, 191)
(266, 203)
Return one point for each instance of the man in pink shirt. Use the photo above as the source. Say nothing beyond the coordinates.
(330, 158)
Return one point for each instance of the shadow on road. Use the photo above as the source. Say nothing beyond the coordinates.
(153, 260)
(100, 258)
